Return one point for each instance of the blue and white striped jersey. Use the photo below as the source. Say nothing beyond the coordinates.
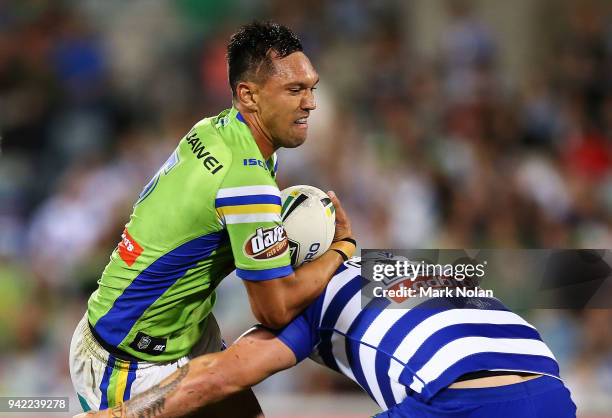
(391, 353)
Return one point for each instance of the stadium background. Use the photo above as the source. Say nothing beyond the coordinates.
(440, 124)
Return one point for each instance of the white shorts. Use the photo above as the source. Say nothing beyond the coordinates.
(102, 381)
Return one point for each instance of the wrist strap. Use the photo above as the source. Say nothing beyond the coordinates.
(351, 240)
(344, 256)
(345, 247)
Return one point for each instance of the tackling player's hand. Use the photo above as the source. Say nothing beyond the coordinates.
(343, 223)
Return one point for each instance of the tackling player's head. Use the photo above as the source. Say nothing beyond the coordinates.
(273, 80)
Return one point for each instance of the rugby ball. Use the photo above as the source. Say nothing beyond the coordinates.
(309, 218)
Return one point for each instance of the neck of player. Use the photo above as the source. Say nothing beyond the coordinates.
(262, 138)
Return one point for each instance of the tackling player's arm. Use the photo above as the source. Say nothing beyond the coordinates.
(276, 302)
(209, 378)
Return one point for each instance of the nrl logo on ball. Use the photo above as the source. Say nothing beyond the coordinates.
(266, 243)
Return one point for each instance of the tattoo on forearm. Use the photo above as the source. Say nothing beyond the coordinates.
(151, 403)
(116, 412)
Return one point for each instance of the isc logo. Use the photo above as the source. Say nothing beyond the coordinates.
(252, 162)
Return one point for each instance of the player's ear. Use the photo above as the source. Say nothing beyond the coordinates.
(246, 94)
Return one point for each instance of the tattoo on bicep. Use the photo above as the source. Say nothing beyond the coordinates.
(151, 403)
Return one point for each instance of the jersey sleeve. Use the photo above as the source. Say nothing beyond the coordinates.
(301, 335)
(251, 215)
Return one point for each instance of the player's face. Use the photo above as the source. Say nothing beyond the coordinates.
(286, 99)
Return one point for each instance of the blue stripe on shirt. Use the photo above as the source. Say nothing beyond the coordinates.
(340, 269)
(151, 283)
(108, 370)
(355, 333)
(340, 299)
(453, 332)
(331, 315)
(259, 199)
(130, 379)
(262, 275)
(395, 335)
(486, 361)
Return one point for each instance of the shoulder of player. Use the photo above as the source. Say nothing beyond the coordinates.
(348, 271)
(353, 265)
(239, 139)
(204, 144)
(248, 168)
(225, 153)
(226, 133)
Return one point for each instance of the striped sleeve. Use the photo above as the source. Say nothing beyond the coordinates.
(249, 204)
(251, 215)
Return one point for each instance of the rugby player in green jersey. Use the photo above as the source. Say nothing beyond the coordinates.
(212, 208)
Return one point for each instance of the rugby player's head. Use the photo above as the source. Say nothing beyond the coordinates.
(273, 80)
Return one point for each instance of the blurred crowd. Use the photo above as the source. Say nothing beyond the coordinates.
(425, 151)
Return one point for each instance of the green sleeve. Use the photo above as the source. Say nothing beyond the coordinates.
(249, 205)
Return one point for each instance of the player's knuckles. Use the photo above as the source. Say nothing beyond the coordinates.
(342, 219)
(341, 212)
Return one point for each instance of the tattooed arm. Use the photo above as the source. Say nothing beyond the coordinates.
(208, 378)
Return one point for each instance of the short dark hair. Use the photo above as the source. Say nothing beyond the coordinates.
(249, 49)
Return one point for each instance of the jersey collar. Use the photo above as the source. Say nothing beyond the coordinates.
(272, 162)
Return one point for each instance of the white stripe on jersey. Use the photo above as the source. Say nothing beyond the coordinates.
(395, 369)
(338, 344)
(334, 287)
(247, 191)
(375, 333)
(338, 341)
(373, 336)
(367, 358)
(399, 390)
(381, 325)
(347, 316)
(417, 336)
(252, 218)
(345, 320)
(464, 347)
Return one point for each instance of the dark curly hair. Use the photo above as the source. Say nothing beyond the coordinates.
(249, 50)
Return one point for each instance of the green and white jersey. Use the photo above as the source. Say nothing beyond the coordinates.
(213, 207)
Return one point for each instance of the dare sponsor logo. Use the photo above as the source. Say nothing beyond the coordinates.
(266, 243)
(129, 250)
